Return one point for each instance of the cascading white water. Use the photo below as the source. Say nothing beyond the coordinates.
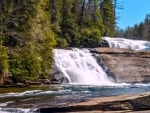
(80, 67)
(127, 43)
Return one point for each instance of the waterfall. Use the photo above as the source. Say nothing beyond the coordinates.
(127, 43)
(80, 67)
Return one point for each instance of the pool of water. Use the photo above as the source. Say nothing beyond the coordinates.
(61, 95)
(147, 49)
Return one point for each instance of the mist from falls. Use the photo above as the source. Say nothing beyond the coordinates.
(80, 67)
(127, 43)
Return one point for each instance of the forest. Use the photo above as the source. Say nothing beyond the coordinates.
(139, 31)
(30, 29)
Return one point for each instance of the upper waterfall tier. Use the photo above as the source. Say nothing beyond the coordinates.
(126, 43)
(79, 67)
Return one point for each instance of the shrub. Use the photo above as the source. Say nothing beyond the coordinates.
(90, 37)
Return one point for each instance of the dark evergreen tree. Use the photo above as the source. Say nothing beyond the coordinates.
(26, 31)
(55, 11)
(108, 17)
(5, 10)
(70, 18)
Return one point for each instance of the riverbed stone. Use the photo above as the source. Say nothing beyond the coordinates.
(126, 65)
(128, 103)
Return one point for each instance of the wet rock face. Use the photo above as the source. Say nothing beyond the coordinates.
(56, 76)
(126, 65)
(104, 43)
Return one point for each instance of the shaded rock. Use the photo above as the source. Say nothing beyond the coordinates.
(20, 85)
(104, 43)
(38, 82)
(56, 76)
(8, 81)
(44, 81)
(105, 68)
(56, 81)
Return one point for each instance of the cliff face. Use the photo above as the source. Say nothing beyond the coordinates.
(126, 65)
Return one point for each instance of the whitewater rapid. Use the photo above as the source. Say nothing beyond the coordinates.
(114, 42)
(80, 67)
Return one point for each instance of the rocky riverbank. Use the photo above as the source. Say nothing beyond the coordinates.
(129, 103)
(126, 65)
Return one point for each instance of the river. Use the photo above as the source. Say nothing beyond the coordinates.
(83, 78)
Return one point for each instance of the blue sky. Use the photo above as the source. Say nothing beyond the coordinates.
(133, 12)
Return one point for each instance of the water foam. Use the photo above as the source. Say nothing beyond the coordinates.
(127, 43)
(16, 110)
(80, 67)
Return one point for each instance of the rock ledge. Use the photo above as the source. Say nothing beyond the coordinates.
(126, 65)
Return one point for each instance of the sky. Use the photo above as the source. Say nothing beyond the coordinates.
(133, 12)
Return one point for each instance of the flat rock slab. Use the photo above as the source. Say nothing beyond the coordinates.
(133, 103)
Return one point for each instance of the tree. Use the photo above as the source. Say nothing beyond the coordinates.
(27, 33)
(3, 63)
(90, 37)
(139, 31)
(108, 17)
(55, 12)
(5, 9)
(82, 13)
(146, 31)
(69, 26)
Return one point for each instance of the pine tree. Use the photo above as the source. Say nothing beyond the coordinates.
(82, 13)
(27, 33)
(108, 17)
(5, 10)
(139, 31)
(3, 62)
(69, 26)
(55, 11)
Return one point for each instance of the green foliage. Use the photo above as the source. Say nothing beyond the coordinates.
(76, 18)
(46, 56)
(3, 60)
(90, 37)
(55, 11)
(25, 64)
(108, 17)
(70, 32)
(26, 30)
(61, 42)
